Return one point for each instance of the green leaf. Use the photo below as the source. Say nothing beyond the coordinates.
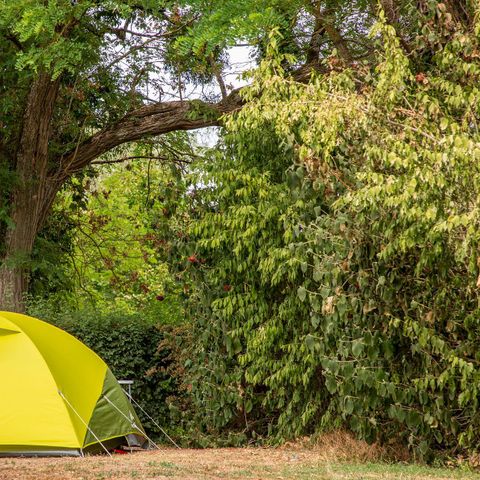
(302, 293)
(348, 406)
(357, 347)
(311, 342)
(331, 384)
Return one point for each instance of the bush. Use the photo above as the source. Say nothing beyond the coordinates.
(345, 291)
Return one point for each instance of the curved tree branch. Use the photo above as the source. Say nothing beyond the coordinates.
(146, 121)
(149, 120)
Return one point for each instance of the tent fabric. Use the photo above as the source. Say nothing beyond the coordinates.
(57, 395)
(106, 418)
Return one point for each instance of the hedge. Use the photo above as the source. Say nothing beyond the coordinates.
(137, 350)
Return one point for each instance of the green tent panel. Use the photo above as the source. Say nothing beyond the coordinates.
(58, 397)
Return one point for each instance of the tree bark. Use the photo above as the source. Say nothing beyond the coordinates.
(313, 51)
(31, 165)
(146, 121)
(326, 21)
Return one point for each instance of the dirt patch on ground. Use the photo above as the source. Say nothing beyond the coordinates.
(290, 462)
(166, 463)
(341, 446)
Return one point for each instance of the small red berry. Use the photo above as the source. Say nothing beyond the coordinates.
(421, 78)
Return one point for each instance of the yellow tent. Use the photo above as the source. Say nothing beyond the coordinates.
(57, 397)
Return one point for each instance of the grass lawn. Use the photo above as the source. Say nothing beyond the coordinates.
(229, 463)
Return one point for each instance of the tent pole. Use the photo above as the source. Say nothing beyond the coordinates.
(134, 425)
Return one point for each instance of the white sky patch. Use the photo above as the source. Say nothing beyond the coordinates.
(240, 61)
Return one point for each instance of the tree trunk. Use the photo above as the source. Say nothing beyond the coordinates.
(19, 240)
(12, 287)
(31, 165)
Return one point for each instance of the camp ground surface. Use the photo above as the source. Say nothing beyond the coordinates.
(228, 463)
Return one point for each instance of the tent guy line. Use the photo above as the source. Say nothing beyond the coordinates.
(83, 421)
(152, 419)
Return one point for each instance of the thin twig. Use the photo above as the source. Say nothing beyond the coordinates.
(137, 157)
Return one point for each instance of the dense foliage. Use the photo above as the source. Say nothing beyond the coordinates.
(336, 280)
(81, 80)
(327, 247)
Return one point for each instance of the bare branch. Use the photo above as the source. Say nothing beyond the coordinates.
(326, 22)
(218, 76)
(14, 40)
(313, 51)
(140, 157)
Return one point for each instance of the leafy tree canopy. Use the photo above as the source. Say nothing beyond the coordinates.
(328, 245)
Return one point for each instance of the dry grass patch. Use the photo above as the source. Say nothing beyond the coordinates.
(341, 446)
(332, 457)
